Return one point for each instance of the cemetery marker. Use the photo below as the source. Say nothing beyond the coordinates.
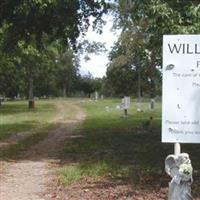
(96, 96)
(126, 104)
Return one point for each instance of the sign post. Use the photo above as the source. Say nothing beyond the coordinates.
(181, 97)
(177, 149)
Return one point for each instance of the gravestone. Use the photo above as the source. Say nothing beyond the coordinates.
(152, 104)
(96, 96)
(118, 107)
(107, 109)
(126, 104)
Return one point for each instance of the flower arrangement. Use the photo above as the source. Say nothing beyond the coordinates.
(186, 169)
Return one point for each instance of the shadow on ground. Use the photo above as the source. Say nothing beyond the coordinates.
(131, 155)
(130, 159)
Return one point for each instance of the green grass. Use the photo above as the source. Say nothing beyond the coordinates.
(132, 145)
(111, 146)
(74, 172)
(110, 138)
(16, 117)
(13, 150)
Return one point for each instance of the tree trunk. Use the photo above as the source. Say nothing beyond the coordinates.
(152, 88)
(31, 102)
(68, 88)
(152, 70)
(139, 86)
(125, 113)
(64, 90)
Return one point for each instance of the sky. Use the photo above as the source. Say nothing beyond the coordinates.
(98, 63)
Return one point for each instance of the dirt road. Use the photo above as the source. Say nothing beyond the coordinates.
(30, 175)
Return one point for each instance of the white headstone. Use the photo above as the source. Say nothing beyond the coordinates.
(152, 104)
(181, 89)
(96, 96)
(118, 107)
(126, 102)
(107, 108)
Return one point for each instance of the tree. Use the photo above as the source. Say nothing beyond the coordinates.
(10, 82)
(128, 72)
(86, 84)
(143, 24)
(9, 78)
(66, 70)
(106, 87)
(28, 22)
(121, 76)
(157, 17)
(59, 19)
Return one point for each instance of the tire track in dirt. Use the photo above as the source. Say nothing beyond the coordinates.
(16, 137)
(30, 176)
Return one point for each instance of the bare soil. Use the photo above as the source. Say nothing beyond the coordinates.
(104, 189)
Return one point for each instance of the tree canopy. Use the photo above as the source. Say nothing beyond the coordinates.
(58, 19)
(139, 48)
(39, 37)
(40, 44)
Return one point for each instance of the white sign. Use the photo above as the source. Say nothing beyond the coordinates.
(126, 102)
(181, 89)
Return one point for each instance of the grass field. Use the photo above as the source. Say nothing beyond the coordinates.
(27, 127)
(16, 117)
(128, 149)
(109, 146)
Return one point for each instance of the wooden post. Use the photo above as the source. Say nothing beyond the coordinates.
(125, 112)
(31, 102)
